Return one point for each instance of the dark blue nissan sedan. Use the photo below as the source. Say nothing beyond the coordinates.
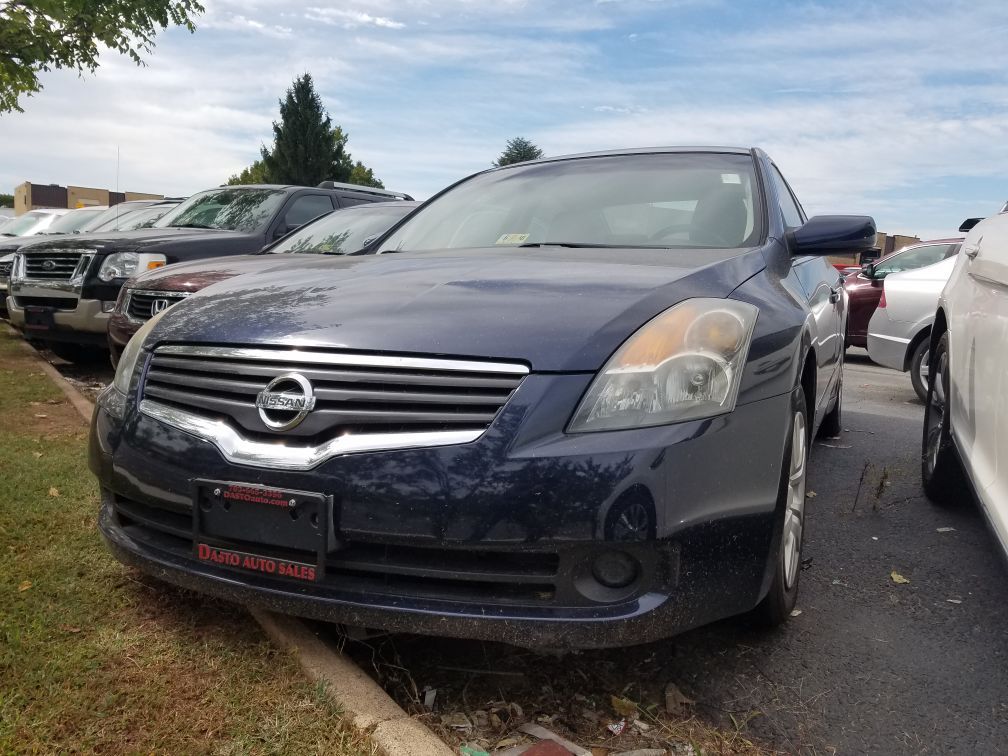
(568, 403)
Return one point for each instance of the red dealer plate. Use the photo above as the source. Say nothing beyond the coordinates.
(267, 565)
(273, 531)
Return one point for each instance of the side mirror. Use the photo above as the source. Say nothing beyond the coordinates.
(283, 229)
(968, 224)
(868, 270)
(833, 235)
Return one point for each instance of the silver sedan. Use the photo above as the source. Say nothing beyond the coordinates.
(898, 331)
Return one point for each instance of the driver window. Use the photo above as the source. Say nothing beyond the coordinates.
(793, 216)
(918, 257)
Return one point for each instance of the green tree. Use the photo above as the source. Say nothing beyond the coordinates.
(364, 176)
(518, 150)
(254, 174)
(6, 200)
(40, 35)
(307, 148)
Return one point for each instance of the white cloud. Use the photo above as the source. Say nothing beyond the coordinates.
(349, 19)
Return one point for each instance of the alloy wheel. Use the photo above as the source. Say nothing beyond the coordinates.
(794, 517)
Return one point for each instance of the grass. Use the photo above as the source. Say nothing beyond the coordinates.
(97, 658)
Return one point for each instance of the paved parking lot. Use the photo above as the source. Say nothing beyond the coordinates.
(869, 666)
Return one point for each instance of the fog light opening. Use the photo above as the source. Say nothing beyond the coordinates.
(615, 569)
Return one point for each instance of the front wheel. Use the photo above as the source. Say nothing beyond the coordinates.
(941, 470)
(780, 600)
(920, 365)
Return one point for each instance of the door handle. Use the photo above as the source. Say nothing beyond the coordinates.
(971, 251)
(834, 295)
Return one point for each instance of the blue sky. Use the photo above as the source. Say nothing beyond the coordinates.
(896, 109)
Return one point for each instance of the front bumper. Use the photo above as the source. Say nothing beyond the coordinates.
(492, 539)
(74, 320)
(888, 342)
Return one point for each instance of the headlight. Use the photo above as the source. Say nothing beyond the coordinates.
(17, 272)
(131, 354)
(125, 264)
(684, 364)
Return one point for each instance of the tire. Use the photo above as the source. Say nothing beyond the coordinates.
(776, 606)
(832, 424)
(919, 365)
(76, 353)
(941, 470)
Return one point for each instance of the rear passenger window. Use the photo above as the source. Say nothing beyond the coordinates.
(793, 216)
(308, 208)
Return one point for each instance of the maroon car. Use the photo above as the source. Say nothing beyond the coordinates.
(341, 232)
(864, 287)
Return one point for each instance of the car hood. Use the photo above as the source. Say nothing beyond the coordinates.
(127, 240)
(554, 309)
(198, 274)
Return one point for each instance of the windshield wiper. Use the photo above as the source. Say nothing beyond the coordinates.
(192, 225)
(573, 245)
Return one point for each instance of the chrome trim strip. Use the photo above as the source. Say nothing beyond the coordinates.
(897, 339)
(157, 293)
(242, 451)
(352, 360)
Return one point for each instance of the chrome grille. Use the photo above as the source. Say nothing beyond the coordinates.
(142, 305)
(357, 397)
(56, 264)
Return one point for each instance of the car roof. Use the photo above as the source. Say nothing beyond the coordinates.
(641, 151)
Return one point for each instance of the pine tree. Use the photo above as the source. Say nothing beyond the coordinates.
(364, 176)
(307, 149)
(518, 150)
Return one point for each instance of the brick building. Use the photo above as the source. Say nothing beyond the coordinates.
(29, 196)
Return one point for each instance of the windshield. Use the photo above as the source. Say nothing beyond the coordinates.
(145, 217)
(343, 231)
(228, 209)
(109, 219)
(26, 224)
(74, 220)
(663, 200)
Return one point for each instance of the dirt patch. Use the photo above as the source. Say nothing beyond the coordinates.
(482, 694)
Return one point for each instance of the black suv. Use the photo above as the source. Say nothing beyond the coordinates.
(62, 290)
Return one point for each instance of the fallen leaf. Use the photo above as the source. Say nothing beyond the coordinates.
(624, 706)
(954, 601)
(874, 538)
(41, 415)
(897, 578)
(795, 612)
(69, 629)
(54, 492)
(24, 586)
(810, 494)
(37, 455)
(945, 530)
(676, 701)
(616, 728)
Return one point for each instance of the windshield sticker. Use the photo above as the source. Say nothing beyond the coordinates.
(512, 239)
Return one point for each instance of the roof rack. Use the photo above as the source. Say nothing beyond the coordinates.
(364, 190)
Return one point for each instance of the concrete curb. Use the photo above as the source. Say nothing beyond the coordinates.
(365, 705)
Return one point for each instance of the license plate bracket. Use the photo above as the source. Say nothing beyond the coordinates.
(39, 318)
(255, 528)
